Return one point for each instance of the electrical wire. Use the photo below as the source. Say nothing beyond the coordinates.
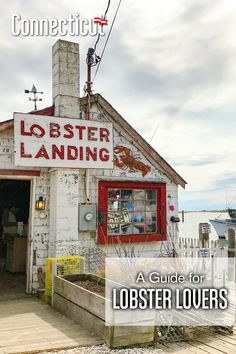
(108, 5)
(105, 13)
(232, 200)
(154, 133)
(92, 58)
(105, 45)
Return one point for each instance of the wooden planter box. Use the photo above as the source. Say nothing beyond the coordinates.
(88, 309)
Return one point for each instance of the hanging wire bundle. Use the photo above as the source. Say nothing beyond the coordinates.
(92, 58)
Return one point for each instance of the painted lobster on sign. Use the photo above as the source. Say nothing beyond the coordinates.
(126, 159)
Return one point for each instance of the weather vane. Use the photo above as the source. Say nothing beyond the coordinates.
(35, 99)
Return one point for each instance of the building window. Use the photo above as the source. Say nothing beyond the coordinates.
(131, 212)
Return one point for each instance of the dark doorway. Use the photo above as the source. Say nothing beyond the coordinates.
(14, 221)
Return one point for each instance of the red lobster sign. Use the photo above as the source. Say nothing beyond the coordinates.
(124, 158)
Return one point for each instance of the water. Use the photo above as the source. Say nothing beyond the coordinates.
(189, 228)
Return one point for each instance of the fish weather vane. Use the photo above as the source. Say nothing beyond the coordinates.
(35, 99)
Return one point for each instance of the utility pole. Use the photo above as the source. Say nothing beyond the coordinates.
(92, 60)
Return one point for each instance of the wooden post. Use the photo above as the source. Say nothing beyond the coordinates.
(182, 215)
(212, 270)
(204, 230)
(232, 253)
(231, 240)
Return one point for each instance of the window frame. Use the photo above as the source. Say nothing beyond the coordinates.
(104, 238)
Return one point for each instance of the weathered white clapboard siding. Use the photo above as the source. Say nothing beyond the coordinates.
(57, 234)
(66, 198)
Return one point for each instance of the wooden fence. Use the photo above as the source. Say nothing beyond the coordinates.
(188, 247)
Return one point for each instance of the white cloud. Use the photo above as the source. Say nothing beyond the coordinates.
(168, 63)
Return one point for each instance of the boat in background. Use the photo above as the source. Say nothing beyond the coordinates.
(223, 225)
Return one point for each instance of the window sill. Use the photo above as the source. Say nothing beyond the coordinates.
(113, 239)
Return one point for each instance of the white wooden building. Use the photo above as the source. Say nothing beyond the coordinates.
(90, 211)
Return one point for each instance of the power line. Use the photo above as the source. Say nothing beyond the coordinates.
(92, 58)
(105, 45)
(99, 35)
(154, 133)
(108, 5)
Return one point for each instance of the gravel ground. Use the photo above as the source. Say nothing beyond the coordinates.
(103, 349)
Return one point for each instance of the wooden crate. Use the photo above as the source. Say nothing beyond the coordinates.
(16, 254)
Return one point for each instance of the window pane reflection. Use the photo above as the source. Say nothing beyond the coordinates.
(131, 212)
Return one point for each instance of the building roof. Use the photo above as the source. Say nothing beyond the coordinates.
(7, 124)
(137, 139)
(116, 118)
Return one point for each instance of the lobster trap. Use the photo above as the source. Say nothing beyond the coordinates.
(59, 266)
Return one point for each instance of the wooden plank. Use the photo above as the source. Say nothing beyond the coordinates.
(175, 348)
(191, 348)
(92, 323)
(53, 333)
(92, 302)
(226, 344)
(118, 336)
(205, 347)
(22, 326)
(230, 336)
(216, 345)
(45, 346)
(124, 336)
(28, 325)
(226, 338)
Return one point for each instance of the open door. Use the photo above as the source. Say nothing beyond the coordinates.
(14, 223)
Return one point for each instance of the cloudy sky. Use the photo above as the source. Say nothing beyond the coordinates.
(169, 65)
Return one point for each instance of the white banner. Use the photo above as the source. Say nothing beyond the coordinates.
(45, 141)
(170, 291)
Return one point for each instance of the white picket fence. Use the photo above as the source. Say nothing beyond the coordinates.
(189, 247)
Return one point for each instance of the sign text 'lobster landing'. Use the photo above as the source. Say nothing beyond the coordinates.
(43, 141)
